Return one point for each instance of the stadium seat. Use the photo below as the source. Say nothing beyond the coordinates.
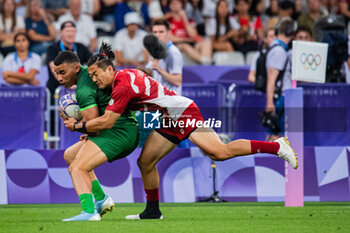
(229, 58)
(108, 39)
(249, 57)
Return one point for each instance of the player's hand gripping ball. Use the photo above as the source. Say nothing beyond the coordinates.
(69, 107)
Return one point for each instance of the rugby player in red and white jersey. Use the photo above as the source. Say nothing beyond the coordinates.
(135, 90)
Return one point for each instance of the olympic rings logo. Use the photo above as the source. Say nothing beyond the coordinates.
(310, 61)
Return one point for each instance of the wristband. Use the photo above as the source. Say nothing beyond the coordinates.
(82, 129)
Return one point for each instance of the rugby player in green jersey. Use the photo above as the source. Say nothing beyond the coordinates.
(112, 144)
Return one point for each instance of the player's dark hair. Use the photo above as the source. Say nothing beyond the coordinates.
(303, 28)
(104, 58)
(162, 22)
(66, 57)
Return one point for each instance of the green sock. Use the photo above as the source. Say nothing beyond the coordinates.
(97, 190)
(87, 203)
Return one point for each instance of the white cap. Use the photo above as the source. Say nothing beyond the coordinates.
(132, 18)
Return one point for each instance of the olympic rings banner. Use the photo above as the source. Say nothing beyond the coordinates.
(309, 61)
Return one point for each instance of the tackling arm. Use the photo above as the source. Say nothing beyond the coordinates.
(106, 121)
(89, 114)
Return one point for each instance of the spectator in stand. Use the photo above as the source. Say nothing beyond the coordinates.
(90, 7)
(185, 36)
(20, 7)
(128, 43)
(68, 34)
(130, 5)
(209, 7)
(10, 24)
(40, 31)
(272, 10)
(167, 71)
(285, 9)
(106, 12)
(330, 7)
(270, 35)
(86, 30)
(303, 33)
(193, 10)
(298, 7)
(22, 66)
(222, 28)
(309, 18)
(55, 8)
(157, 9)
(251, 31)
(258, 8)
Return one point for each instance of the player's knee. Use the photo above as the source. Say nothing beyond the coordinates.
(71, 168)
(68, 156)
(221, 155)
(74, 168)
(143, 165)
(218, 157)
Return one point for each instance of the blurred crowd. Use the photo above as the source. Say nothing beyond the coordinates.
(199, 28)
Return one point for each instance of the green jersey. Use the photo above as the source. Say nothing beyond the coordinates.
(123, 137)
(88, 96)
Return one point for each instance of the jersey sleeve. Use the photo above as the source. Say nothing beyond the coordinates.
(120, 98)
(175, 63)
(86, 97)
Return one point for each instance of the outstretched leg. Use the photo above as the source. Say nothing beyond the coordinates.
(207, 140)
(88, 158)
(155, 148)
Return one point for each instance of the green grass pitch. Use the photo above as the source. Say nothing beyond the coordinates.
(325, 217)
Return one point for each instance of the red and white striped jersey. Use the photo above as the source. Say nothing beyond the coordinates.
(135, 90)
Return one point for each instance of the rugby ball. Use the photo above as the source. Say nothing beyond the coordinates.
(69, 106)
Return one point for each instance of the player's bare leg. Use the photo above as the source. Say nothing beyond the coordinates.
(103, 202)
(207, 140)
(154, 149)
(89, 157)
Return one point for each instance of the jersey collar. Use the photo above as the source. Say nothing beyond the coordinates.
(115, 77)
